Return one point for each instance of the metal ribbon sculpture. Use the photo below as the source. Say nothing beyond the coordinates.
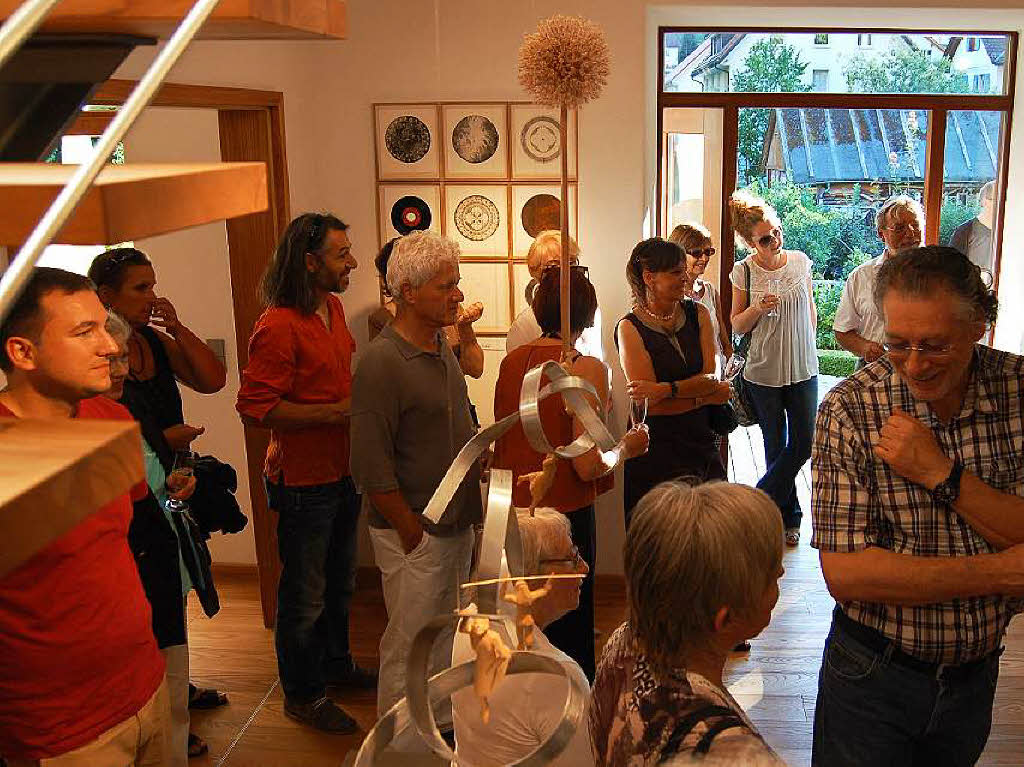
(500, 535)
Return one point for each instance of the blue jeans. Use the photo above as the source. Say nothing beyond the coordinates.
(786, 415)
(316, 538)
(874, 712)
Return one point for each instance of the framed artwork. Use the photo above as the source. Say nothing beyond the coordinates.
(488, 283)
(536, 208)
(520, 279)
(408, 208)
(475, 141)
(407, 142)
(537, 145)
(476, 217)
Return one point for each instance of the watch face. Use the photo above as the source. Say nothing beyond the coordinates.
(944, 493)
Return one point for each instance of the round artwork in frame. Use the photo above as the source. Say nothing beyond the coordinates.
(477, 218)
(475, 139)
(542, 212)
(410, 214)
(541, 139)
(407, 139)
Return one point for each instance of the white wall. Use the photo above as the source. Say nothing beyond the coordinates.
(462, 50)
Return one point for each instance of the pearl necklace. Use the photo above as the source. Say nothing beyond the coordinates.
(659, 317)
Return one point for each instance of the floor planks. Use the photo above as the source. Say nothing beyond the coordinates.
(776, 682)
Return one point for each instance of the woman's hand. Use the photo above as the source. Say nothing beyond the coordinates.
(182, 493)
(636, 441)
(653, 391)
(767, 303)
(721, 395)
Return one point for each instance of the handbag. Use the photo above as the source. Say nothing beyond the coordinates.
(740, 401)
(723, 419)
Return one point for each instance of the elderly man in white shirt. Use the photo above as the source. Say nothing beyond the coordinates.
(858, 325)
(546, 251)
(526, 708)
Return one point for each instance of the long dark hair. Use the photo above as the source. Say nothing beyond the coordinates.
(287, 282)
(108, 268)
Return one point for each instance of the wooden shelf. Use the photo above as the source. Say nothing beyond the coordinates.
(128, 202)
(232, 19)
(55, 473)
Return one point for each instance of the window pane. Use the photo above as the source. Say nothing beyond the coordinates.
(973, 142)
(762, 62)
(685, 179)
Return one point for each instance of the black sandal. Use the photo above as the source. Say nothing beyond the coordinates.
(196, 746)
(204, 698)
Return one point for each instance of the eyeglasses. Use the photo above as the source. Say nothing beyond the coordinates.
(928, 351)
(902, 227)
(574, 560)
(769, 238)
(699, 252)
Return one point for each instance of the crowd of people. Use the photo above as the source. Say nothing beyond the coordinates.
(916, 497)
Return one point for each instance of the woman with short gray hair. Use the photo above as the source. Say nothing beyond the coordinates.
(702, 565)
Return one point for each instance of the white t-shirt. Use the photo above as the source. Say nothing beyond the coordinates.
(525, 709)
(783, 349)
(525, 330)
(857, 310)
(709, 297)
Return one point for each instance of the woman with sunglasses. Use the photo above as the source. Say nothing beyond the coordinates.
(667, 351)
(772, 299)
(578, 482)
(695, 241)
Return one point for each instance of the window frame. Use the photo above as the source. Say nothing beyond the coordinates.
(938, 105)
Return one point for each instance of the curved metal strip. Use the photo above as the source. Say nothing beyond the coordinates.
(421, 694)
(571, 388)
(497, 522)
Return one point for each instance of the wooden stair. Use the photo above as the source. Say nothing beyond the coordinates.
(232, 19)
(129, 202)
(55, 473)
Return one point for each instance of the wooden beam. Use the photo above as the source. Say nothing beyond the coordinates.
(54, 473)
(817, 100)
(116, 92)
(129, 202)
(933, 174)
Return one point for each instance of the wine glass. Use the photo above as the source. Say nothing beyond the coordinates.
(774, 288)
(637, 412)
(181, 473)
(733, 367)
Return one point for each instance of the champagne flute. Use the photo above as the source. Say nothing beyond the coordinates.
(181, 473)
(637, 412)
(774, 288)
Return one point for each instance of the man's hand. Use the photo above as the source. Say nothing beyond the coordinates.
(182, 493)
(164, 316)
(910, 449)
(470, 314)
(653, 391)
(180, 437)
(411, 533)
(872, 351)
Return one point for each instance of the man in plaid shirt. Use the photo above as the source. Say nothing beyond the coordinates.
(918, 469)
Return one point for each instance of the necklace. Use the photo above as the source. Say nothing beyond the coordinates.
(658, 317)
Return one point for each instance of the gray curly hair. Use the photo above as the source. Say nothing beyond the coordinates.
(417, 258)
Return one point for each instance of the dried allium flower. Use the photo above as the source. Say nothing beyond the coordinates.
(565, 62)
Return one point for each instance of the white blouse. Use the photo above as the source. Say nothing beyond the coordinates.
(709, 297)
(783, 349)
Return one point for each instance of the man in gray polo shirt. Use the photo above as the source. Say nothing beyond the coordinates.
(410, 418)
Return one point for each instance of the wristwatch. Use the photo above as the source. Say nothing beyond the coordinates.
(673, 388)
(948, 490)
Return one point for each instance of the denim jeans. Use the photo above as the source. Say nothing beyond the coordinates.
(786, 415)
(316, 538)
(874, 712)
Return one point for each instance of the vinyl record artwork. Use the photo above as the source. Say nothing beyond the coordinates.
(477, 218)
(475, 139)
(407, 142)
(476, 144)
(405, 208)
(536, 208)
(407, 139)
(537, 143)
(410, 214)
(542, 211)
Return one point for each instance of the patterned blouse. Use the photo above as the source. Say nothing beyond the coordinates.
(639, 720)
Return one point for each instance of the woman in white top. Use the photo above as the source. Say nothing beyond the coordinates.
(695, 241)
(782, 361)
(526, 708)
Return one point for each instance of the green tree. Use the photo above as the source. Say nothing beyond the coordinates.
(903, 70)
(771, 66)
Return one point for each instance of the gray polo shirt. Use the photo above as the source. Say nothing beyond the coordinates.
(410, 418)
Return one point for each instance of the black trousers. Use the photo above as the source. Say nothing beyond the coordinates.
(573, 633)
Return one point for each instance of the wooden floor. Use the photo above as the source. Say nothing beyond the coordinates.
(776, 682)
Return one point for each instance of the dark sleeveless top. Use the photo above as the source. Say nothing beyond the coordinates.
(682, 445)
(155, 402)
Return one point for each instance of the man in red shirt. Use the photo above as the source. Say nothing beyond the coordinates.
(81, 678)
(298, 383)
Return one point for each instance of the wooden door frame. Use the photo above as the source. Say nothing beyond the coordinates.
(251, 126)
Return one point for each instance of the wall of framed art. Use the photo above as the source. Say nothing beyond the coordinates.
(486, 175)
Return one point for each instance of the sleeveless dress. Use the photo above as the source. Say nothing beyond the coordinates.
(155, 402)
(683, 446)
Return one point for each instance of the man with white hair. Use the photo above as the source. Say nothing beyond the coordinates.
(410, 418)
(858, 324)
(973, 238)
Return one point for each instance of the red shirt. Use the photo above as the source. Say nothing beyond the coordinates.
(77, 653)
(294, 357)
(512, 450)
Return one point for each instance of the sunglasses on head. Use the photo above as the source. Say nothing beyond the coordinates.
(700, 252)
(555, 266)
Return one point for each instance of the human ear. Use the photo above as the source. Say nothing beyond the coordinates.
(21, 352)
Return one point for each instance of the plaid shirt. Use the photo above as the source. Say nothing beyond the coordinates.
(858, 501)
